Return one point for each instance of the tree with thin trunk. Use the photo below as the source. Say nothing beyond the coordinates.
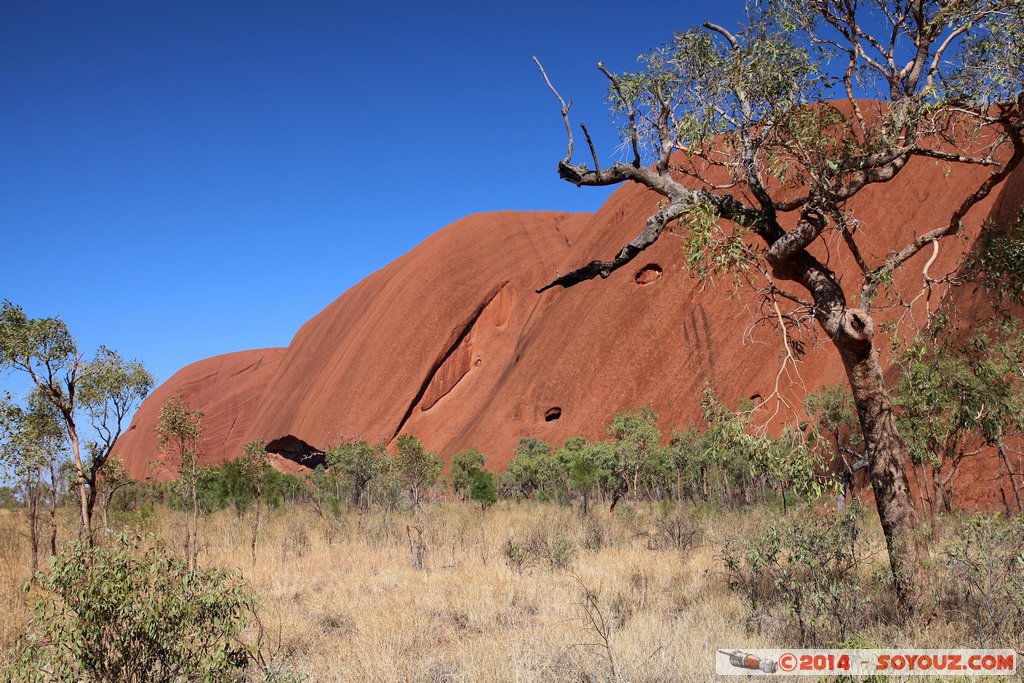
(255, 465)
(357, 463)
(107, 389)
(636, 437)
(418, 469)
(31, 441)
(756, 163)
(178, 428)
(44, 350)
(465, 465)
(112, 389)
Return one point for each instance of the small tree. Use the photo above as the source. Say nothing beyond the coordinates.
(111, 389)
(107, 388)
(417, 467)
(831, 407)
(357, 464)
(953, 397)
(483, 489)
(178, 428)
(636, 436)
(585, 464)
(465, 465)
(255, 464)
(114, 478)
(31, 439)
(418, 470)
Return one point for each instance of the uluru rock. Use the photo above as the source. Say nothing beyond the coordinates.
(451, 343)
(227, 389)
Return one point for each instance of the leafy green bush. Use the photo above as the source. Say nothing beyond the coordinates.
(985, 580)
(809, 577)
(483, 490)
(517, 555)
(113, 613)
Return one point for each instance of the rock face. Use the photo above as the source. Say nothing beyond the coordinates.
(450, 342)
(227, 389)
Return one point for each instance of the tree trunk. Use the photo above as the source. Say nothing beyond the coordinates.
(53, 510)
(80, 471)
(1009, 471)
(194, 560)
(937, 504)
(32, 488)
(255, 530)
(886, 453)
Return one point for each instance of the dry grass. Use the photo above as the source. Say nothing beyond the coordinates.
(340, 600)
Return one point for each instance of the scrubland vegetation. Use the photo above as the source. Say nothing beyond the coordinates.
(630, 558)
(526, 591)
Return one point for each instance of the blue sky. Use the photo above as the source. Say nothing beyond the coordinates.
(180, 179)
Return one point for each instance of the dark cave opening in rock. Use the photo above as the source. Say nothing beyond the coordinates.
(552, 414)
(297, 450)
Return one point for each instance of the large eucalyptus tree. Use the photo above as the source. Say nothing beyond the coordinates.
(796, 112)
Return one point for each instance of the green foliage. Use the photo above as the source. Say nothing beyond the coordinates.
(255, 463)
(530, 470)
(417, 467)
(831, 407)
(791, 463)
(517, 556)
(113, 613)
(465, 465)
(42, 348)
(31, 436)
(557, 551)
(950, 390)
(636, 436)
(110, 390)
(998, 260)
(808, 573)
(356, 465)
(483, 489)
(985, 580)
(178, 428)
(712, 249)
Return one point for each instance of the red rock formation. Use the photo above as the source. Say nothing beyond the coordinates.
(227, 389)
(450, 342)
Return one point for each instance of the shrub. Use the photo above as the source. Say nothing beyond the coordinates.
(561, 553)
(483, 489)
(109, 613)
(674, 530)
(807, 574)
(517, 555)
(985, 582)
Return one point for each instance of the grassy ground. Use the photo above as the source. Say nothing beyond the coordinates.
(341, 601)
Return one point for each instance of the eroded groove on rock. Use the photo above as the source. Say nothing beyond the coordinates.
(297, 450)
(454, 346)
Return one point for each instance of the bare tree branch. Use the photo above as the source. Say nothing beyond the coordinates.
(628, 106)
(565, 110)
(650, 234)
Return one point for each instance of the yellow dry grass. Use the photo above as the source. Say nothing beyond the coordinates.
(340, 600)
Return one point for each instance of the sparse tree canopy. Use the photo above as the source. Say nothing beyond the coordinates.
(107, 388)
(178, 428)
(417, 467)
(737, 129)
